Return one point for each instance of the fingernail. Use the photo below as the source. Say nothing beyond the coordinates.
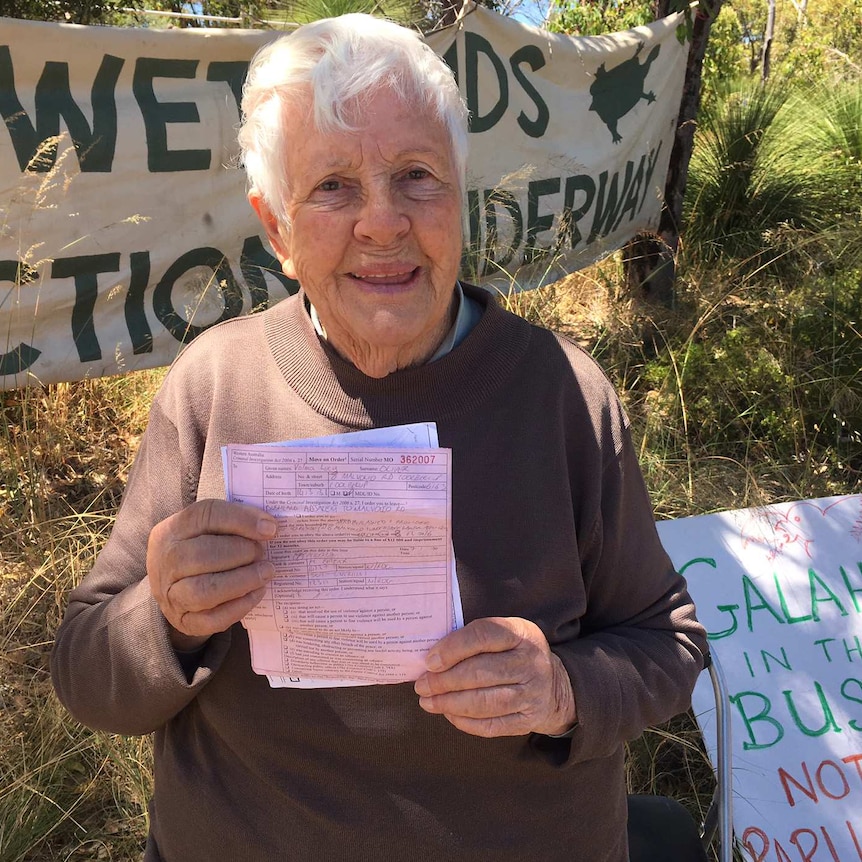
(421, 686)
(266, 570)
(433, 661)
(267, 528)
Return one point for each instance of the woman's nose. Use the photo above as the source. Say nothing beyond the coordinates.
(382, 218)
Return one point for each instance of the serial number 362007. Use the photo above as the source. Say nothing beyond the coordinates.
(418, 459)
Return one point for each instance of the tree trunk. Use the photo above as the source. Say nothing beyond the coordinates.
(650, 259)
(768, 35)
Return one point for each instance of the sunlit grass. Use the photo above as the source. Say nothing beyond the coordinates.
(748, 392)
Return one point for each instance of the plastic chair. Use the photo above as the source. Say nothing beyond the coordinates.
(662, 830)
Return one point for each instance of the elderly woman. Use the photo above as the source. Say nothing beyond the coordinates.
(579, 633)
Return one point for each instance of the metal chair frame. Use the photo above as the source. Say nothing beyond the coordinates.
(661, 829)
(719, 816)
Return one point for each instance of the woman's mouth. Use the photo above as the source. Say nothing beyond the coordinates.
(385, 278)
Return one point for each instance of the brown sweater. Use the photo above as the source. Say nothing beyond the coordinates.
(551, 522)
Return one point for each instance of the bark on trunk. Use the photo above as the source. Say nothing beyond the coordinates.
(767, 41)
(650, 259)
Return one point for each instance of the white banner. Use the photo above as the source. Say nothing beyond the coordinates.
(125, 230)
(779, 590)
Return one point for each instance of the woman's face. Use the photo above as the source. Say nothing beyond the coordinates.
(375, 232)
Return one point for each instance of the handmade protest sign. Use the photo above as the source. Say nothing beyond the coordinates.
(779, 590)
(125, 228)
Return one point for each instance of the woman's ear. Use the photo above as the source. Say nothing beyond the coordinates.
(275, 233)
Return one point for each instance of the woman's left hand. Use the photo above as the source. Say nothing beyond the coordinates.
(498, 677)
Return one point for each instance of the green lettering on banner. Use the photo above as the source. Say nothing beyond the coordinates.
(709, 561)
(533, 56)
(509, 203)
(784, 608)
(633, 197)
(254, 261)
(85, 270)
(784, 662)
(474, 44)
(853, 591)
(24, 355)
(752, 743)
(233, 73)
(652, 159)
(536, 223)
(828, 717)
(814, 580)
(767, 659)
(36, 145)
(222, 278)
(133, 307)
(823, 643)
(748, 588)
(608, 208)
(570, 216)
(158, 114)
(857, 726)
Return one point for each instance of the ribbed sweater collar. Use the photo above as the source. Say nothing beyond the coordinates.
(453, 385)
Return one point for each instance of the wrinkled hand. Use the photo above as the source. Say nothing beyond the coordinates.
(205, 567)
(498, 677)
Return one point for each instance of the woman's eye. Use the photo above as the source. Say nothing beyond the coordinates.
(417, 174)
(330, 186)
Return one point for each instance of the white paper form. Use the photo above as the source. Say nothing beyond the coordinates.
(363, 556)
(413, 435)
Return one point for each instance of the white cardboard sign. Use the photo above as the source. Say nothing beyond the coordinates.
(779, 590)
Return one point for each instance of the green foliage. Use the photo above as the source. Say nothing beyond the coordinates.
(579, 18)
(70, 11)
(767, 373)
(248, 10)
(824, 39)
(771, 174)
(725, 58)
(407, 12)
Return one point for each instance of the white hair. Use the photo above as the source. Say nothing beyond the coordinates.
(337, 64)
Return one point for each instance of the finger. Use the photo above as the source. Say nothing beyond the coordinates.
(487, 635)
(220, 517)
(204, 554)
(207, 591)
(480, 671)
(220, 618)
(479, 703)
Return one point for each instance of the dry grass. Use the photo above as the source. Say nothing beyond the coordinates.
(67, 793)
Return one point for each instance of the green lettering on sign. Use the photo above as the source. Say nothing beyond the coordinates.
(254, 261)
(533, 56)
(36, 145)
(23, 356)
(753, 743)
(158, 114)
(85, 271)
(474, 45)
(222, 279)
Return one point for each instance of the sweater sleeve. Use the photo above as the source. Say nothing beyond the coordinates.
(112, 665)
(641, 647)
